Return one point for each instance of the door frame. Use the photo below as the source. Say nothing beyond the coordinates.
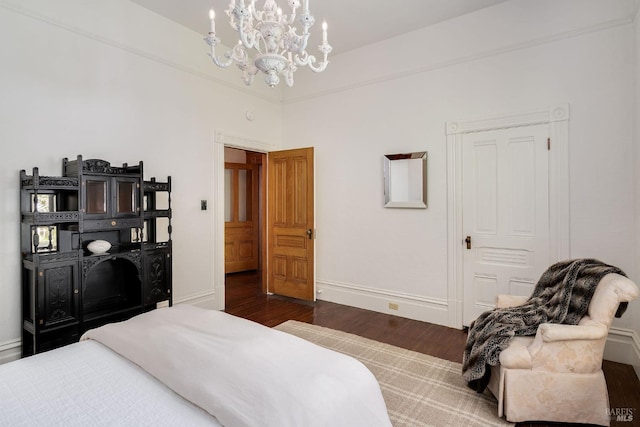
(221, 140)
(557, 118)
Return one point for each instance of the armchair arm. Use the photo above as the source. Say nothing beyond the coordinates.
(568, 348)
(551, 332)
(506, 301)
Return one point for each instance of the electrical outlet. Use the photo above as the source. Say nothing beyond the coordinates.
(393, 306)
(203, 205)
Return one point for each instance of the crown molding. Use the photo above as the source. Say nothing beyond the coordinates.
(24, 11)
(468, 58)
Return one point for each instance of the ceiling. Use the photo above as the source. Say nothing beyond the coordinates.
(352, 23)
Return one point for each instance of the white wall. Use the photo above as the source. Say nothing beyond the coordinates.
(395, 96)
(113, 81)
(636, 180)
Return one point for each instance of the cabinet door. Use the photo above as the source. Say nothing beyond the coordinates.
(157, 275)
(96, 201)
(57, 294)
(126, 197)
(111, 197)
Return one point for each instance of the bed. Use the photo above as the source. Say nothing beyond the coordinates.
(190, 366)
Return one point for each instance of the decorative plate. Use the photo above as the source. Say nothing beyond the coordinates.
(99, 246)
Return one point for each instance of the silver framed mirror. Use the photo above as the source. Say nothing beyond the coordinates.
(405, 180)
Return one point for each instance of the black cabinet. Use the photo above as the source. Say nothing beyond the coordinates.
(67, 289)
(157, 273)
(110, 197)
(50, 301)
(156, 242)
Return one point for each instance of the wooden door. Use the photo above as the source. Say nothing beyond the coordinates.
(241, 227)
(505, 214)
(290, 201)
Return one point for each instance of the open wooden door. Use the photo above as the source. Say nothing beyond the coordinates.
(241, 225)
(290, 201)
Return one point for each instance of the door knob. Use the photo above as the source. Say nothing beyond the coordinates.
(310, 233)
(468, 242)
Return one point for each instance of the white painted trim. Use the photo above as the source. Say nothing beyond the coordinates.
(218, 220)
(468, 58)
(557, 117)
(207, 299)
(130, 49)
(623, 346)
(10, 350)
(243, 143)
(221, 140)
(432, 310)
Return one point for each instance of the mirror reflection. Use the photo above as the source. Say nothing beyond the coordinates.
(405, 180)
(44, 238)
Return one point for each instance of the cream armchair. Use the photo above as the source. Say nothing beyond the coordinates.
(557, 375)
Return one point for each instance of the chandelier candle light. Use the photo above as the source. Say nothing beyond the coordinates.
(279, 48)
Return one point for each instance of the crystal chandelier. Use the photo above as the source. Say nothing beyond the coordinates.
(279, 49)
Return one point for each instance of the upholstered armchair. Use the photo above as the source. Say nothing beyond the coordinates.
(557, 375)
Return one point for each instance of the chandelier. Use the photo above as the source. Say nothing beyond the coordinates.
(279, 49)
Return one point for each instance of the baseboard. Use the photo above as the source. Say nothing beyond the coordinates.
(204, 300)
(623, 346)
(10, 350)
(432, 310)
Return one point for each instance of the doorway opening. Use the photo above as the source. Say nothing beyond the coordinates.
(244, 213)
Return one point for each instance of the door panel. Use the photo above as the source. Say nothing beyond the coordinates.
(242, 218)
(290, 203)
(505, 214)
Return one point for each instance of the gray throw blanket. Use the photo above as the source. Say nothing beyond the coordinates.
(562, 295)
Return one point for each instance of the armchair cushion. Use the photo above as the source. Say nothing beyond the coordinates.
(506, 301)
(517, 355)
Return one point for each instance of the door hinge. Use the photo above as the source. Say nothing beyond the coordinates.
(548, 144)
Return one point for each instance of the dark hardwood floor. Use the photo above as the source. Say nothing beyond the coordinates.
(245, 299)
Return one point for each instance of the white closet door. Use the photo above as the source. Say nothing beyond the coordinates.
(505, 214)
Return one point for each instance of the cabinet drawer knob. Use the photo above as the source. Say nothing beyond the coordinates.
(113, 223)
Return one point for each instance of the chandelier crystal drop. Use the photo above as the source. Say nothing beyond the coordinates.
(279, 49)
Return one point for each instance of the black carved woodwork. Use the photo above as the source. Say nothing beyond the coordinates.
(66, 289)
(157, 272)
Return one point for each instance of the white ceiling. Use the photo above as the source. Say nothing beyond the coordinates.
(352, 23)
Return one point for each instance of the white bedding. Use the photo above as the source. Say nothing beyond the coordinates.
(185, 366)
(246, 374)
(86, 384)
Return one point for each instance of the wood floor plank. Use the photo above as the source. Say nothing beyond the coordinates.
(244, 298)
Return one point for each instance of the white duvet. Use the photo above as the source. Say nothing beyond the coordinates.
(246, 374)
(87, 385)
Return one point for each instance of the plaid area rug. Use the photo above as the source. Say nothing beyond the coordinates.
(419, 390)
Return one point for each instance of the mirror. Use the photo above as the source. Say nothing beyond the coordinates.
(43, 203)
(44, 238)
(125, 197)
(405, 180)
